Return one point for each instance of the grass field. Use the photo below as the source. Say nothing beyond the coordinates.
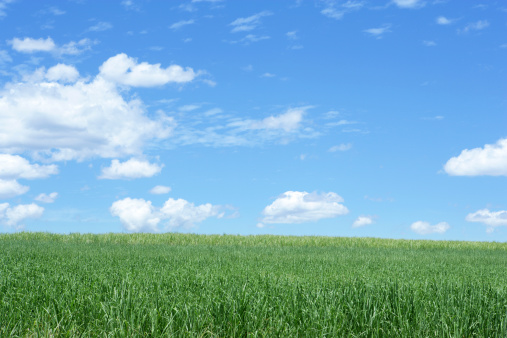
(196, 285)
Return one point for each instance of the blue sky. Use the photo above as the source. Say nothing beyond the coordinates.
(335, 118)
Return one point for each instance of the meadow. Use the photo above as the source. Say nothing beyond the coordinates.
(267, 286)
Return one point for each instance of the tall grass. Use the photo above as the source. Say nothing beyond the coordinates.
(189, 285)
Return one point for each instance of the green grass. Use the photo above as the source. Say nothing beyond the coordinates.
(192, 285)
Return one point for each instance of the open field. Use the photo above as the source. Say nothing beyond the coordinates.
(193, 285)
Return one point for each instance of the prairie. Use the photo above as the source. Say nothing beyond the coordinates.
(225, 285)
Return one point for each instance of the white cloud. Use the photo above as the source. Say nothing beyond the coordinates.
(475, 26)
(249, 23)
(336, 10)
(136, 214)
(44, 198)
(61, 72)
(492, 219)
(378, 32)
(288, 121)
(179, 24)
(12, 216)
(132, 168)
(268, 75)
(442, 20)
(14, 167)
(74, 121)
(125, 70)
(139, 215)
(424, 228)
(11, 188)
(3, 5)
(490, 160)
(29, 45)
(160, 190)
(100, 27)
(409, 3)
(300, 207)
(362, 221)
(4, 57)
(340, 147)
(292, 35)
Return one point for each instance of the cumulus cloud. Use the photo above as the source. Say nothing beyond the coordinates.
(160, 190)
(301, 207)
(492, 219)
(139, 215)
(61, 72)
(49, 117)
(15, 167)
(125, 70)
(490, 160)
(442, 20)
(29, 45)
(13, 216)
(409, 3)
(362, 221)
(11, 188)
(248, 23)
(424, 228)
(44, 198)
(132, 168)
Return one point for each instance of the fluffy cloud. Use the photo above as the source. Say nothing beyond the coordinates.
(160, 190)
(139, 215)
(490, 218)
(132, 168)
(490, 160)
(78, 120)
(409, 3)
(362, 221)
(61, 72)
(11, 188)
(300, 207)
(125, 70)
(424, 228)
(442, 20)
(13, 216)
(44, 198)
(29, 45)
(249, 23)
(14, 167)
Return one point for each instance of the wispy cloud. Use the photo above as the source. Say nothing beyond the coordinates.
(379, 31)
(474, 26)
(100, 27)
(411, 4)
(340, 147)
(336, 10)
(429, 43)
(179, 24)
(248, 23)
(442, 20)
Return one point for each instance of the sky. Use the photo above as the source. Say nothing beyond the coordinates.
(351, 118)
